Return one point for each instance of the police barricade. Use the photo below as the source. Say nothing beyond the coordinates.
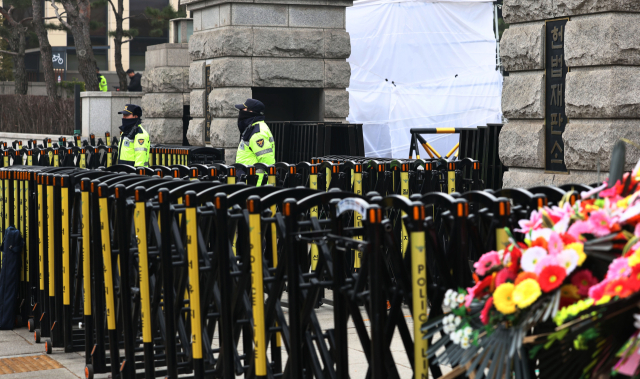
(163, 266)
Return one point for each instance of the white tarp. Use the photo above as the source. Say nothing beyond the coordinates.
(421, 63)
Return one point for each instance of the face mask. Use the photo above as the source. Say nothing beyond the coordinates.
(244, 119)
(128, 123)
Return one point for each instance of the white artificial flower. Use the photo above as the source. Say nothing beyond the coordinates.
(568, 259)
(465, 343)
(542, 232)
(446, 302)
(458, 320)
(531, 257)
(450, 318)
(460, 298)
(468, 331)
(455, 337)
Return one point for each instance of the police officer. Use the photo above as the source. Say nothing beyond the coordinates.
(102, 80)
(256, 140)
(134, 140)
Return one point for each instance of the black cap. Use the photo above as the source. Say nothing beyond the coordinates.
(130, 71)
(131, 109)
(252, 105)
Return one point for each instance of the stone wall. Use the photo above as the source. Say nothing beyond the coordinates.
(166, 87)
(602, 96)
(276, 43)
(100, 111)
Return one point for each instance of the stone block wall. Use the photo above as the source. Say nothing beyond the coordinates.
(166, 92)
(602, 95)
(100, 111)
(275, 43)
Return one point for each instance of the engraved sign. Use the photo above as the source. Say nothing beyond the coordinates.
(207, 127)
(555, 116)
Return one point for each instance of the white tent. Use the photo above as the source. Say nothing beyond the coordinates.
(421, 64)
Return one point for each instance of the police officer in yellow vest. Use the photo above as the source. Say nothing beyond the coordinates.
(256, 141)
(134, 140)
(102, 81)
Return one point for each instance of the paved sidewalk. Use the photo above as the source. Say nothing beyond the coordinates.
(20, 343)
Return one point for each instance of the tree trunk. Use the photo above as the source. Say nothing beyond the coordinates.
(19, 68)
(45, 49)
(122, 76)
(78, 19)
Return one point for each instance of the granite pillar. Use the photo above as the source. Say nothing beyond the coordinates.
(602, 88)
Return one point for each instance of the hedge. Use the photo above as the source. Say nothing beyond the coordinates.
(36, 115)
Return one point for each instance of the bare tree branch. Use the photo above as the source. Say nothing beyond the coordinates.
(26, 19)
(113, 7)
(8, 52)
(54, 17)
(55, 8)
(7, 14)
(129, 40)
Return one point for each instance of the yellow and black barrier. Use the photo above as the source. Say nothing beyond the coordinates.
(158, 267)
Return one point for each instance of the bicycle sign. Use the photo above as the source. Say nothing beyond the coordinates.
(57, 59)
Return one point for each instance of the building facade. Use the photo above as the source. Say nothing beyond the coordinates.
(133, 53)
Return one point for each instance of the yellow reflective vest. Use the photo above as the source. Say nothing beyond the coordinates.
(257, 146)
(134, 148)
(103, 84)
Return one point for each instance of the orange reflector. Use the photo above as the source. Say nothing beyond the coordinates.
(501, 209)
(187, 200)
(117, 193)
(232, 171)
(218, 205)
(251, 205)
(287, 209)
(160, 197)
(460, 210)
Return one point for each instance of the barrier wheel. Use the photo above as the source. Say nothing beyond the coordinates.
(88, 372)
(47, 346)
(31, 325)
(37, 335)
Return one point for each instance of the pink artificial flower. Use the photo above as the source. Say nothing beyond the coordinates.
(584, 280)
(487, 262)
(549, 260)
(580, 227)
(636, 231)
(534, 222)
(562, 225)
(504, 275)
(601, 223)
(531, 257)
(619, 268)
(610, 192)
(555, 244)
(556, 213)
(597, 291)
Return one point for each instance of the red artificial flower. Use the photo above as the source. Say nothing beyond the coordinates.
(540, 242)
(567, 238)
(504, 275)
(618, 287)
(583, 279)
(515, 254)
(551, 277)
(483, 288)
(484, 315)
(526, 275)
(523, 245)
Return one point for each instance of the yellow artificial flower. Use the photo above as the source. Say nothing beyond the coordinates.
(503, 299)
(578, 248)
(570, 291)
(603, 300)
(525, 293)
(634, 259)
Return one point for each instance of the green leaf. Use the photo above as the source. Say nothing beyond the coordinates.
(629, 244)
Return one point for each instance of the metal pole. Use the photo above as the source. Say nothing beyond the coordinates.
(77, 111)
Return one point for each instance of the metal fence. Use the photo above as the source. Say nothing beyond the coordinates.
(186, 274)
